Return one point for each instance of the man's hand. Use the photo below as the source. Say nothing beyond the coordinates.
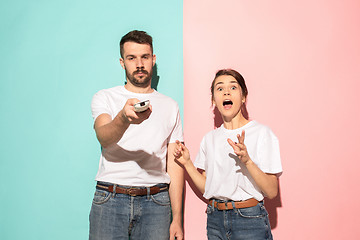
(128, 115)
(176, 231)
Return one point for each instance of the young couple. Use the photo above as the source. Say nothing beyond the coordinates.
(141, 172)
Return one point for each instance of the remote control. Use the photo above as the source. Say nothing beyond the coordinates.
(142, 106)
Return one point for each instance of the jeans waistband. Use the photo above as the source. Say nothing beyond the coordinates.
(128, 186)
(227, 205)
(132, 190)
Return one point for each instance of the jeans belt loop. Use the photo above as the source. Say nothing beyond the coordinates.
(233, 204)
(213, 203)
(148, 192)
(226, 207)
(114, 190)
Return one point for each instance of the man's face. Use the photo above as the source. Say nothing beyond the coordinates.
(138, 62)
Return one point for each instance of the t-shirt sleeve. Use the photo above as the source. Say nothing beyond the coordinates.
(269, 152)
(99, 105)
(177, 132)
(201, 157)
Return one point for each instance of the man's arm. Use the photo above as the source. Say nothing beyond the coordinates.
(176, 188)
(110, 131)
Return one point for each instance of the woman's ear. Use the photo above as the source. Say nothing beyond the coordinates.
(243, 100)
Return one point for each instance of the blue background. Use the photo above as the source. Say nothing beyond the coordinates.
(54, 56)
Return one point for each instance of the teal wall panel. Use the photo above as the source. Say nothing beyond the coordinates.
(54, 56)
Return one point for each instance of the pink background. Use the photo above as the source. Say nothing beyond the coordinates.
(301, 62)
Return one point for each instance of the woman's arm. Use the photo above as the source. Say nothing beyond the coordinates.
(182, 155)
(268, 183)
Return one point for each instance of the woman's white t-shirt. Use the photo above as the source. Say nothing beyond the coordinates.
(226, 176)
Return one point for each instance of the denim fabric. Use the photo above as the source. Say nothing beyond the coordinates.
(238, 224)
(124, 217)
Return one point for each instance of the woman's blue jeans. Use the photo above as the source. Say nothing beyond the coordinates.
(238, 224)
(124, 217)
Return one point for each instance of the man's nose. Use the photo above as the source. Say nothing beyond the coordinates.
(139, 63)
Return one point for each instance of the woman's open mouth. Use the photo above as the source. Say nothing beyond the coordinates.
(227, 104)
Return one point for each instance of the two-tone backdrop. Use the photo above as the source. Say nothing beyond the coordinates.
(301, 61)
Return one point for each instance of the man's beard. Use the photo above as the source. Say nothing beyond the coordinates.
(144, 81)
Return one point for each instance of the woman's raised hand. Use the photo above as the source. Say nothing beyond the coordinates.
(240, 148)
(181, 153)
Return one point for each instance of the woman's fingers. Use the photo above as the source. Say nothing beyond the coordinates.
(232, 144)
(235, 146)
(180, 150)
(241, 137)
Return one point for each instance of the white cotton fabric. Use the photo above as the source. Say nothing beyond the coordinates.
(139, 158)
(226, 176)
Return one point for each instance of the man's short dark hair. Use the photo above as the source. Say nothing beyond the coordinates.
(136, 36)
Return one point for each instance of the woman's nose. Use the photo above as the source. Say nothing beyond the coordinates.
(226, 92)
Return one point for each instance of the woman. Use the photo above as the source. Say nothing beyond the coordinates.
(238, 172)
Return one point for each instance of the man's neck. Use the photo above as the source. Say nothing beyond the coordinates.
(136, 89)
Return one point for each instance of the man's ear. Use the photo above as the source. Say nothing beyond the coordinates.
(122, 63)
(154, 60)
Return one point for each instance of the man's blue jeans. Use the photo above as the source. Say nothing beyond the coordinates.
(238, 224)
(124, 217)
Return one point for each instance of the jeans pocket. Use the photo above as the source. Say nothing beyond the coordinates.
(161, 198)
(257, 211)
(101, 196)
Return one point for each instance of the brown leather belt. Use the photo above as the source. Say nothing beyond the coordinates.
(132, 191)
(239, 204)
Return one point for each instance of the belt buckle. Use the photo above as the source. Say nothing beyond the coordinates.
(132, 192)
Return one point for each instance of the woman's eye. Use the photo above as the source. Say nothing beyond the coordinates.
(220, 89)
(233, 88)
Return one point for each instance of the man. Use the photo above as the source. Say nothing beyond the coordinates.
(138, 176)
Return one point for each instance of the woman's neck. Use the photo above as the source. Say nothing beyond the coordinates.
(236, 122)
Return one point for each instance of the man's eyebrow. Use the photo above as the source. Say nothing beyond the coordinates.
(130, 55)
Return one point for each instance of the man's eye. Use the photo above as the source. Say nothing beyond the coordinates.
(131, 58)
(146, 57)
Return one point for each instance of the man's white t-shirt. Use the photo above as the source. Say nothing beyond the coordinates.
(139, 158)
(226, 176)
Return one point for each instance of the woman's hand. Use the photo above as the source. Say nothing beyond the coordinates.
(240, 148)
(181, 153)
(182, 156)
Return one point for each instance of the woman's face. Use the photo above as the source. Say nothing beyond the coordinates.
(227, 96)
